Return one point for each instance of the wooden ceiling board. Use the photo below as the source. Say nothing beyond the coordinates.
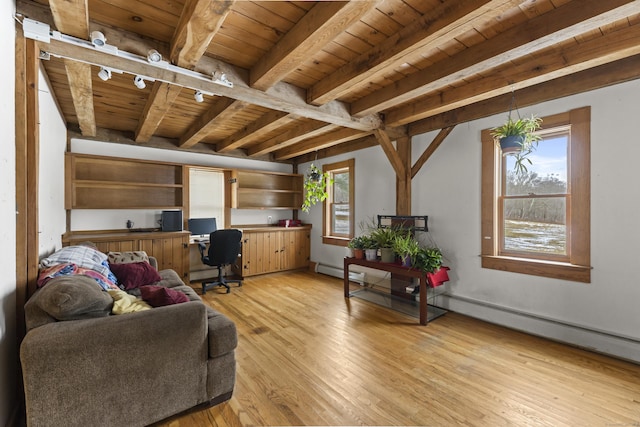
(136, 17)
(404, 16)
(431, 76)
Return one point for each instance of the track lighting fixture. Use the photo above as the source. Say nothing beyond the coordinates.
(154, 56)
(98, 39)
(139, 82)
(104, 74)
(198, 96)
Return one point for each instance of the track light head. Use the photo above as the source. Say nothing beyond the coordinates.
(98, 39)
(104, 74)
(198, 96)
(154, 56)
(139, 82)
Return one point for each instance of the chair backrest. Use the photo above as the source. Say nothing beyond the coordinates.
(224, 246)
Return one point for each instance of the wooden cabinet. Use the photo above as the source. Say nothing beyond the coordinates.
(265, 190)
(95, 182)
(171, 249)
(271, 249)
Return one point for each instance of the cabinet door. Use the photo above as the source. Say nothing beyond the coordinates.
(261, 252)
(171, 252)
(295, 252)
(117, 246)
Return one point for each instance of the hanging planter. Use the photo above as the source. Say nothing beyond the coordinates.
(315, 187)
(518, 137)
(511, 144)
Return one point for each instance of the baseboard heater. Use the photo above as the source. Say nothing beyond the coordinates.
(330, 270)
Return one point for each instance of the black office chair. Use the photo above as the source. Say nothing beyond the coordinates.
(224, 247)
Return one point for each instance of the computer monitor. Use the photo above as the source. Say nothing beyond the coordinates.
(202, 226)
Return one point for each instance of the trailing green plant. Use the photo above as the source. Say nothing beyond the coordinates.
(525, 131)
(315, 187)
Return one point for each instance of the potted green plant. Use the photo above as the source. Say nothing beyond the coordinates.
(385, 237)
(518, 137)
(406, 247)
(370, 248)
(428, 260)
(357, 244)
(315, 187)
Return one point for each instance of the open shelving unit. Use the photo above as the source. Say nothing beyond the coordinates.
(265, 190)
(96, 182)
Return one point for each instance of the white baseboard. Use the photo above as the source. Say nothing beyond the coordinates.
(622, 347)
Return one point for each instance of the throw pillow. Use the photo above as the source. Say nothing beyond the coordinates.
(74, 297)
(124, 303)
(158, 296)
(135, 274)
(127, 257)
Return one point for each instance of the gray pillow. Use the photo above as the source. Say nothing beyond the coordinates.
(74, 297)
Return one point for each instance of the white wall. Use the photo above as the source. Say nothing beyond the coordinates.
(53, 143)
(603, 314)
(104, 219)
(8, 350)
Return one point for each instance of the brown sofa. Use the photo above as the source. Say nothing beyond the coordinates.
(98, 369)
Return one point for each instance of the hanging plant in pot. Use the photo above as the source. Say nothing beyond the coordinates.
(518, 137)
(315, 187)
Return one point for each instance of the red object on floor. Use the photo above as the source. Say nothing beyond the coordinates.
(439, 277)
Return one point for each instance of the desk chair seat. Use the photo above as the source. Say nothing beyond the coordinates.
(224, 247)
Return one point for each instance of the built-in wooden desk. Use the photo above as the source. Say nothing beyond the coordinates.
(393, 269)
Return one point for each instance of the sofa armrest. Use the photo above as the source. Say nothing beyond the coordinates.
(110, 369)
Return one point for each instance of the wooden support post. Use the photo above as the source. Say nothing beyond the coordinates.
(403, 183)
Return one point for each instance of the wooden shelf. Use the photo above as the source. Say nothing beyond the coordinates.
(265, 190)
(95, 182)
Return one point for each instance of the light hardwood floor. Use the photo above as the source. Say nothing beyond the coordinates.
(307, 356)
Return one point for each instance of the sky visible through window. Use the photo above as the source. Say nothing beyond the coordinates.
(538, 224)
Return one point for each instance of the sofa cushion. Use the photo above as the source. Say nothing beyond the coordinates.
(73, 298)
(159, 296)
(135, 274)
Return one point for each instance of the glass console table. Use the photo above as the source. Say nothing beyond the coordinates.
(397, 270)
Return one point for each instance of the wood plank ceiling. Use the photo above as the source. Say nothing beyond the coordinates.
(313, 79)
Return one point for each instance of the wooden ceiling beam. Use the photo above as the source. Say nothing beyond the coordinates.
(222, 110)
(439, 139)
(594, 78)
(199, 22)
(255, 130)
(303, 131)
(319, 142)
(125, 138)
(390, 151)
(450, 19)
(546, 65)
(336, 150)
(318, 26)
(72, 17)
(281, 97)
(536, 34)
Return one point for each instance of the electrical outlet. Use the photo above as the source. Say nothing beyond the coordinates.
(269, 220)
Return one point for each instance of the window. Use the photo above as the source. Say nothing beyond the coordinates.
(538, 222)
(206, 194)
(338, 208)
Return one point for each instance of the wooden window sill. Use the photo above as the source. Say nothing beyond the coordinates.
(333, 240)
(552, 269)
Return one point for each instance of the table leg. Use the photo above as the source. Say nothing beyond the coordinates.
(423, 300)
(346, 277)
